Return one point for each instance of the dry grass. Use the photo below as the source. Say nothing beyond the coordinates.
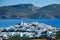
(38, 39)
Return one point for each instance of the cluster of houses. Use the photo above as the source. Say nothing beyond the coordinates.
(33, 29)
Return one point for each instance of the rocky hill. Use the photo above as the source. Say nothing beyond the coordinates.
(48, 12)
(29, 11)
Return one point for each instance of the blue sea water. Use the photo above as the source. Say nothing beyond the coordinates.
(10, 22)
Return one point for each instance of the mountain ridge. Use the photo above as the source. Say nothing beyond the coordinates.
(29, 11)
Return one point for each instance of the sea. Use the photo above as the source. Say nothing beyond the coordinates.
(11, 22)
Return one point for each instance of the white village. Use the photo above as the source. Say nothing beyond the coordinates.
(32, 29)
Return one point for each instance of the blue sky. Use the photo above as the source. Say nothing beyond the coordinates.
(39, 3)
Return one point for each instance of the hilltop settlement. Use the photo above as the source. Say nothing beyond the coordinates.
(29, 30)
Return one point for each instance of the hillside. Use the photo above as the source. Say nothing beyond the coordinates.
(48, 12)
(17, 11)
(29, 11)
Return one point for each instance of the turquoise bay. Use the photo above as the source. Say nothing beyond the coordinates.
(10, 22)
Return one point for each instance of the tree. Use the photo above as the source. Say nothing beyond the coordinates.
(44, 34)
(11, 30)
(33, 25)
(4, 30)
(58, 34)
